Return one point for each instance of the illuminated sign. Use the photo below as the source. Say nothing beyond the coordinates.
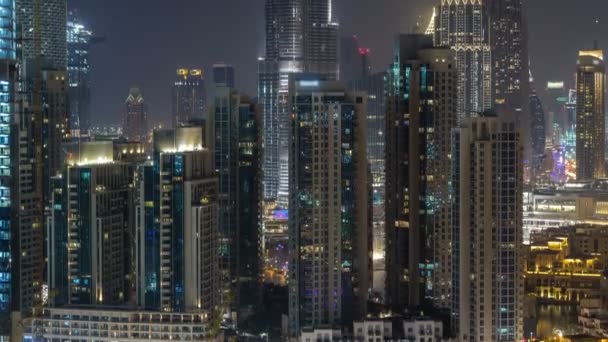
(281, 214)
(555, 85)
(309, 83)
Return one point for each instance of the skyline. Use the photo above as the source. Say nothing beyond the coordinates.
(117, 65)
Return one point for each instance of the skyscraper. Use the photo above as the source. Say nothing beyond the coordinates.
(421, 110)
(250, 256)
(301, 36)
(487, 179)
(223, 74)
(235, 138)
(9, 208)
(328, 221)
(135, 117)
(224, 120)
(590, 119)
(464, 26)
(80, 40)
(100, 225)
(41, 25)
(189, 96)
(186, 203)
(374, 86)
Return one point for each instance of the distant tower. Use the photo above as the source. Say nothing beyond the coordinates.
(590, 118)
(328, 209)
(80, 39)
(223, 74)
(487, 179)
(464, 26)
(538, 131)
(135, 117)
(354, 60)
(189, 96)
(301, 36)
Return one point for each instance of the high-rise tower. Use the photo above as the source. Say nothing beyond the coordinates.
(100, 226)
(80, 39)
(590, 119)
(487, 180)
(9, 208)
(186, 203)
(301, 36)
(464, 26)
(328, 221)
(421, 110)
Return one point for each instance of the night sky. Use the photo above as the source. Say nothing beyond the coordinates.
(147, 39)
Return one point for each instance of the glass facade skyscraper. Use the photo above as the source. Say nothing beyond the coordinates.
(301, 36)
(79, 39)
(7, 157)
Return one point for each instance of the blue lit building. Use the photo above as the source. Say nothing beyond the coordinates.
(8, 150)
(148, 240)
(57, 243)
(100, 225)
(185, 203)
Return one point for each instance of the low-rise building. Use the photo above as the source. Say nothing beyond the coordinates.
(556, 271)
(105, 324)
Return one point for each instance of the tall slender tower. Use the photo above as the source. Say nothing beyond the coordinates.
(9, 204)
(374, 86)
(186, 203)
(328, 221)
(80, 40)
(464, 26)
(421, 110)
(590, 119)
(100, 226)
(301, 36)
(43, 124)
(487, 179)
